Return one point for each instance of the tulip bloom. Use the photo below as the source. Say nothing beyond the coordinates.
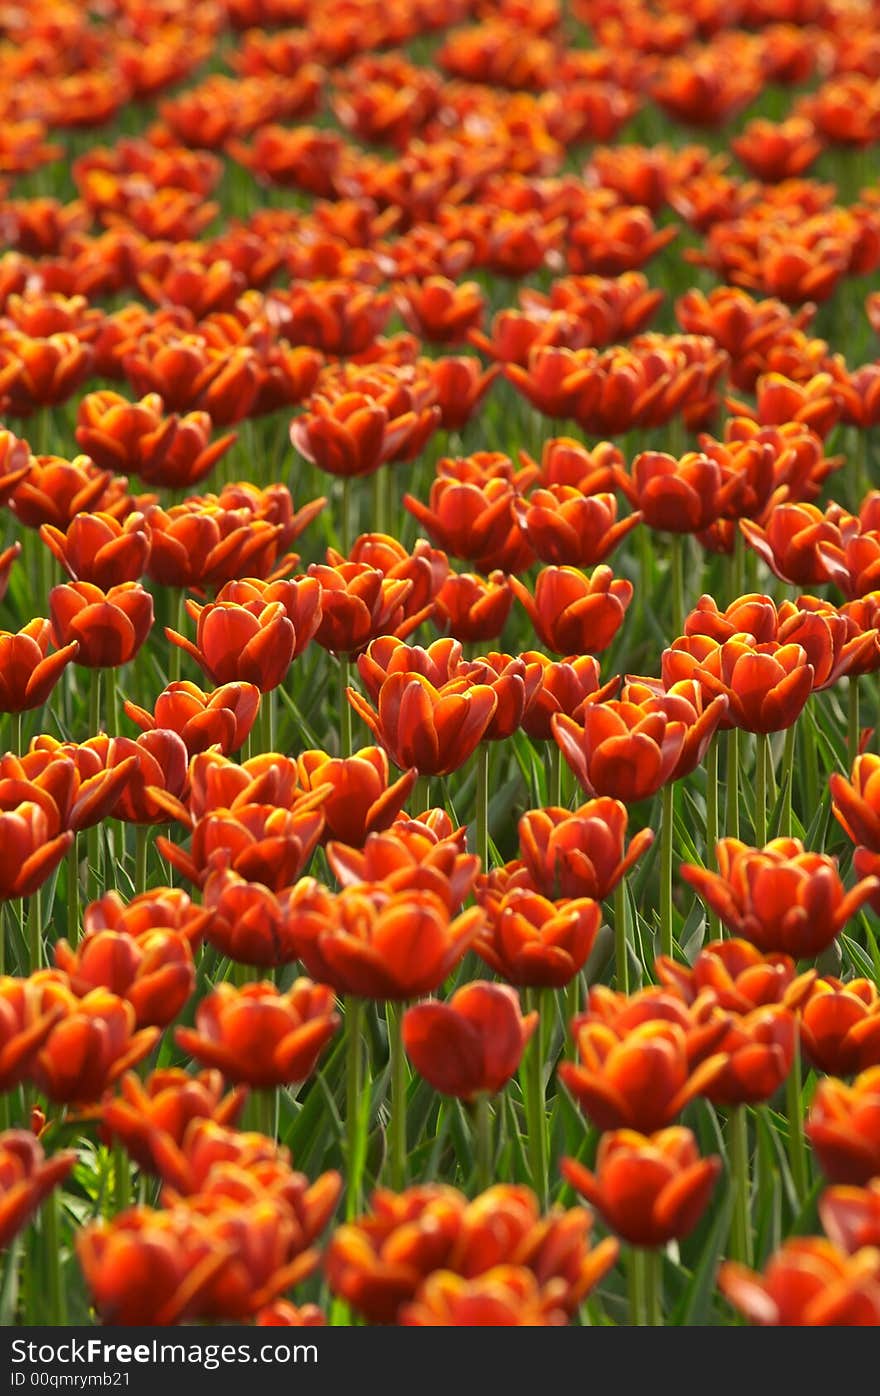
(851, 1216)
(433, 729)
(650, 1189)
(97, 548)
(26, 1179)
(840, 1026)
(573, 613)
(357, 604)
(676, 495)
(781, 898)
(766, 685)
(33, 847)
(378, 1262)
(473, 608)
(248, 921)
(808, 1283)
(425, 854)
(260, 1036)
(223, 718)
(109, 627)
(507, 1296)
(844, 1127)
(566, 686)
(152, 1117)
(856, 802)
(262, 843)
(758, 1052)
(150, 1267)
(25, 1023)
(472, 518)
(627, 751)
(580, 854)
(471, 1044)
(737, 976)
(234, 643)
(28, 673)
(568, 528)
(90, 1046)
(363, 800)
(396, 945)
(153, 971)
(532, 941)
(639, 1082)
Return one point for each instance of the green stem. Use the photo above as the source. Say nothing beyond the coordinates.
(853, 732)
(797, 1148)
(484, 1150)
(121, 1177)
(787, 775)
(73, 891)
(636, 1286)
(56, 1292)
(141, 848)
(621, 950)
(354, 1022)
(266, 718)
(110, 724)
(536, 1105)
(178, 623)
(737, 565)
(481, 758)
(344, 707)
(397, 1117)
(652, 1270)
(379, 520)
(421, 799)
(556, 764)
(676, 572)
(15, 733)
(667, 831)
(732, 819)
(740, 1181)
(714, 924)
(345, 517)
(35, 931)
(762, 762)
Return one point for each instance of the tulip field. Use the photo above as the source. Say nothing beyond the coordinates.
(440, 662)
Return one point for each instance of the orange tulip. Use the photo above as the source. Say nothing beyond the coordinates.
(565, 527)
(844, 1127)
(28, 673)
(363, 799)
(808, 1282)
(737, 976)
(425, 854)
(532, 941)
(260, 1036)
(840, 1025)
(433, 729)
(389, 945)
(567, 686)
(222, 718)
(766, 685)
(579, 854)
(260, 842)
(573, 613)
(650, 1189)
(26, 1179)
(781, 898)
(639, 1082)
(109, 626)
(471, 1044)
(473, 608)
(97, 548)
(507, 1296)
(90, 1046)
(851, 1216)
(153, 971)
(33, 847)
(251, 643)
(149, 1116)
